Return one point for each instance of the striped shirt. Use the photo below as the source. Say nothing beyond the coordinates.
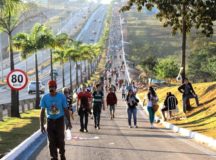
(98, 97)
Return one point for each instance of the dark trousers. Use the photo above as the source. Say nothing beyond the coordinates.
(186, 98)
(55, 130)
(83, 114)
(97, 112)
(132, 112)
(123, 96)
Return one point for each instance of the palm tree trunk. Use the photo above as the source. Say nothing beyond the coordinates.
(77, 80)
(184, 38)
(71, 79)
(86, 74)
(14, 94)
(89, 70)
(26, 65)
(51, 65)
(37, 83)
(81, 76)
(63, 77)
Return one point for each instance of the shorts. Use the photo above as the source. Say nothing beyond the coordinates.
(112, 108)
(73, 109)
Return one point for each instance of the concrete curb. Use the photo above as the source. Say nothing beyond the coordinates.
(210, 142)
(27, 148)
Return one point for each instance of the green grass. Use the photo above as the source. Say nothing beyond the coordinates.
(15, 130)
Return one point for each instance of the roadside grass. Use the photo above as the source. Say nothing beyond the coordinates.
(201, 119)
(15, 130)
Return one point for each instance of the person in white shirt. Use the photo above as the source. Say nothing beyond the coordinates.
(151, 100)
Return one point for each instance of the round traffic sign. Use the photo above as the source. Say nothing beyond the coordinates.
(17, 79)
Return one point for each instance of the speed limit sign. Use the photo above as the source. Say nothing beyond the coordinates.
(17, 79)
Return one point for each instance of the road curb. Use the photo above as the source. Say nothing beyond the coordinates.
(209, 141)
(27, 148)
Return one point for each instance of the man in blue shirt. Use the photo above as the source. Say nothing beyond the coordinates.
(55, 105)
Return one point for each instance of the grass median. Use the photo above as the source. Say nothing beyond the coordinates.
(15, 130)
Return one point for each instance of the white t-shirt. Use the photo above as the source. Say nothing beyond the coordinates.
(150, 102)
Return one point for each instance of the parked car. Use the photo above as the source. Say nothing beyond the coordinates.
(32, 87)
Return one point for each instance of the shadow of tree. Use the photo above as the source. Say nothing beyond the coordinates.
(9, 140)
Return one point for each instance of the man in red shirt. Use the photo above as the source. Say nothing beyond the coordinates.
(84, 107)
(111, 101)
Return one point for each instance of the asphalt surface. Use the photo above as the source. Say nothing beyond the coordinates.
(84, 36)
(115, 141)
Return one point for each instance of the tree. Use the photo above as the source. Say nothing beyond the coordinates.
(149, 65)
(9, 20)
(181, 15)
(202, 65)
(31, 43)
(56, 42)
(60, 56)
(166, 68)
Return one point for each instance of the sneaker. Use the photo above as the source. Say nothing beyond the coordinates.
(152, 126)
(130, 126)
(81, 130)
(135, 126)
(95, 127)
(86, 130)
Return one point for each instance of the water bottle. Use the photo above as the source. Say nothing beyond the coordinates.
(68, 135)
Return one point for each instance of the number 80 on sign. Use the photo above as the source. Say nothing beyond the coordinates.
(17, 79)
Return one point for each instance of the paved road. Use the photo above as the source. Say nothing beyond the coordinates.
(115, 141)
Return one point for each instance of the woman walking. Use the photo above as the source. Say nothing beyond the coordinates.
(132, 102)
(152, 100)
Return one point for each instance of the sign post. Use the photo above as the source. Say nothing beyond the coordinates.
(17, 79)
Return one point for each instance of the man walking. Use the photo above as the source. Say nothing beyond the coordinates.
(98, 101)
(111, 102)
(56, 107)
(83, 102)
(188, 92)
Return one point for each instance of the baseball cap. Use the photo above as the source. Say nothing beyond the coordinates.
(52, 83)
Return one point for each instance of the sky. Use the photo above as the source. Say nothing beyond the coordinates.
(106, 1)
(103, 1)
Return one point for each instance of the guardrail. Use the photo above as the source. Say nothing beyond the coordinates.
(26, 104)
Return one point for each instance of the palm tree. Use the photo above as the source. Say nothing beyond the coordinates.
(60, 56)
(62, 42)
(32, 43)
(9, 20)
(57, 42)
(70, 54)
